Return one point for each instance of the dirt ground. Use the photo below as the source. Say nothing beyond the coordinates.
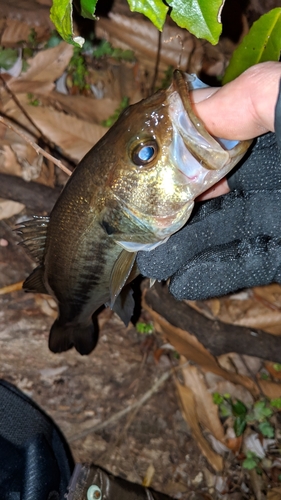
(79, 392)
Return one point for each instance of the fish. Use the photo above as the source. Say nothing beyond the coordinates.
(131, 192)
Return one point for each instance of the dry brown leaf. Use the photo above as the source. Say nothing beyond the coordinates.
(270, 389)
(48, 65)
(74, 136)
(192, 349)
(9, 208)
(273, 372)
(189, 412)
(17, 19)
(206, 409)
(8, 161)
(23, 86)
(274, 494)
(257, 308)
(86, 108)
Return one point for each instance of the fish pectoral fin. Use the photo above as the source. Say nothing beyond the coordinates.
(120, 274)
(34, 233)
(34, 283)
(124, 305)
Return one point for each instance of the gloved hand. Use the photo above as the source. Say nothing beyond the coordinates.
(233, 241)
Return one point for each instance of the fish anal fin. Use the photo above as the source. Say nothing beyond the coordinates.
(120, 273)
(124, 305)
(33, 233)
(35, 283)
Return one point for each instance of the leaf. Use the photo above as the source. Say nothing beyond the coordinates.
(200, 17)
(190, 347)
(155, 10)
(251, 461)
(8, 208)
(48, 65)
(190, 415)
(239, 409)
(262, 43)
(276, 403)
(61, 15)
(206, 409)
(8, 57)
(266, 429)
(239, 425)
(88, 8)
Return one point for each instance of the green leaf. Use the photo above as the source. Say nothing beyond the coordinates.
(144, 328)
(251, 460)
(155, 10)
(239, 425)
(276, 402)
(239, 409)
(8, 58)
(261, 411)
(217, 398)
(266, 429)
(200, 17)
(88, 8)
(277, 366)
(262, 43)
(61, 16)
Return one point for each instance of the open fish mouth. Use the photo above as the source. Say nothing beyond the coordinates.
(201, 158)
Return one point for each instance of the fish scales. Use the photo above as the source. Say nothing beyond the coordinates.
(131, 191)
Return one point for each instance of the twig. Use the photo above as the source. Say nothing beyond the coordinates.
(35, 146)
(17, 102)
(111, 420)
(156, 67)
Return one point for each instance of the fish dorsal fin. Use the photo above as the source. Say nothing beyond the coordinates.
(34, 233)
(120, 273)
(34, 283)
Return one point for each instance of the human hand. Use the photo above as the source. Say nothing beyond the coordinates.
(230, 242)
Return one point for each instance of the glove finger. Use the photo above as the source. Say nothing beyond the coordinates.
(228, 268)
(260, 168)
(215, 222)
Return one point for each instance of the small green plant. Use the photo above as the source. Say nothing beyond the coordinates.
(276, 403)
(144, 328)
(112, 119)
(258, 415)
(277, 367)
(33, 101)
(251, 461)
(77, 70)
(105, 49)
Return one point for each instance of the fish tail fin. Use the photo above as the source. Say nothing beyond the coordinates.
(64, 336)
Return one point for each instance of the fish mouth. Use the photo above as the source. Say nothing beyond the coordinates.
(201, 158)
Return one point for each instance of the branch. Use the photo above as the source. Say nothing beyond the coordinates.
(218, 337)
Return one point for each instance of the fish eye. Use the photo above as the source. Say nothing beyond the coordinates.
(144, 153)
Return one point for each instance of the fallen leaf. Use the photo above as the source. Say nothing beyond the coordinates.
(274, 494)
(206, 409)
(147, 480)
(86, 108)
(189, 412)
(48, 65)
(9, 208)
(189, 346)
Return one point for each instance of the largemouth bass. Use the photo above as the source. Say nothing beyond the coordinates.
(130, 192)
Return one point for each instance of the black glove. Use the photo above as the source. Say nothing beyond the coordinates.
(233, 241)
(35, 461)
